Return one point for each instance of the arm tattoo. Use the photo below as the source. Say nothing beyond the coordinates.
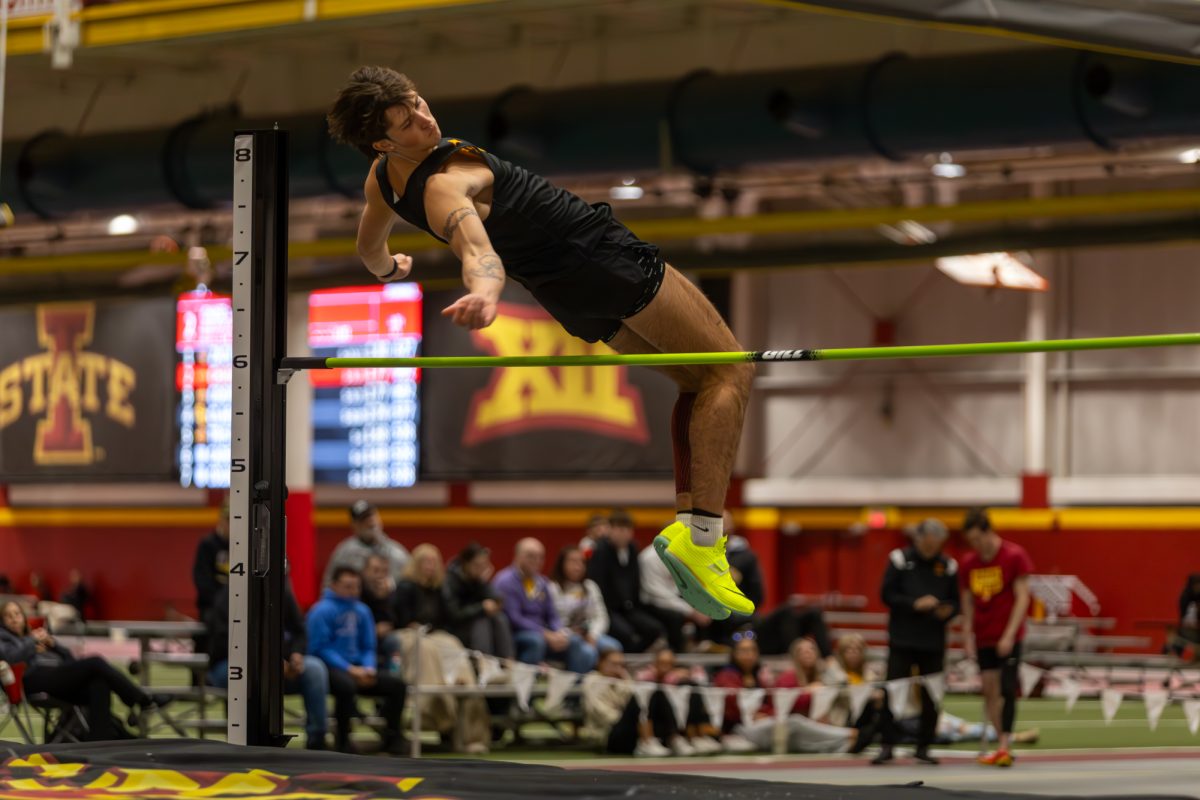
(455, 218)
(488, 266)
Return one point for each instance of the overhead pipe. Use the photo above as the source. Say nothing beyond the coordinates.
(895, 107)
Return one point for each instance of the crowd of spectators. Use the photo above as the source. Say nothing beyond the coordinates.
(388, 618)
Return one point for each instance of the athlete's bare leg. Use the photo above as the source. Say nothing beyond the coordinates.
(688, 379)
(680, 319)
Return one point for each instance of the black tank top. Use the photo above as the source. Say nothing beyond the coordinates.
(539, 230)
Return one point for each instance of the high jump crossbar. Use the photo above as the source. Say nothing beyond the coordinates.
(763, 356)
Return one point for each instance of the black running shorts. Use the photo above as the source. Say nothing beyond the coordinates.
(617, 280)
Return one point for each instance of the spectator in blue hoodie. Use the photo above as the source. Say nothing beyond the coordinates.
(537, 630)
(341, 632)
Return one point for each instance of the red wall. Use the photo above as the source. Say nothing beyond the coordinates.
(139, 572)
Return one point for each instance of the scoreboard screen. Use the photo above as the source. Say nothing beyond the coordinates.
(204, 344)
(365, 420)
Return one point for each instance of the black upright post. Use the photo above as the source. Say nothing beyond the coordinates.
(257, 540)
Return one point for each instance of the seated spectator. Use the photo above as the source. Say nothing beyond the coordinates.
(76, 594)
(803, 735)
(302, 674)
(613, 716)
(537, 630)
(476, 615)
(614, 568)
(341, 632)
(420, 600)
(849, 667)
(806, 673)
(744, 671)
(379, 595)
(597, 530)
(660, 597)
(791, 621)
(52, 669)
(39, 588)
(578, 601)
(701, 734)
(368, 537)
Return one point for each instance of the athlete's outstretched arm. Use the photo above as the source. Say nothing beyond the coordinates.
(450, 207)
(373, 229)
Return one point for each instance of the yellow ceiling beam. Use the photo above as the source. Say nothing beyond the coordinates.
(142, 21)
(689, 227)
(982, 211)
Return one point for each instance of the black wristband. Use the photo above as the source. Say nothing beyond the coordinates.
(388, 277)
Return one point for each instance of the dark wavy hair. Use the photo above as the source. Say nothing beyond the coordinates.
(359, 114)
(559, 573)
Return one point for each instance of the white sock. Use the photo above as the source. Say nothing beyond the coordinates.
(706, 531)
(685, 517)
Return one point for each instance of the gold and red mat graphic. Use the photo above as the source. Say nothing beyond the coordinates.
(41, 775)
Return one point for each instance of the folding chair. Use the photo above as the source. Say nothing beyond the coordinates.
(61, 721)
(15, 707)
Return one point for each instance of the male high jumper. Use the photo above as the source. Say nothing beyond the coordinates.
(598, 280)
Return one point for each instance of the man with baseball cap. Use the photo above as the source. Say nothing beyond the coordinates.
(368, 538)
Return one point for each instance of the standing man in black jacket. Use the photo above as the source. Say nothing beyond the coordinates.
(920, 588)
(210, 569)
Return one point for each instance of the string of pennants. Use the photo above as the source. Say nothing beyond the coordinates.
(560, 684)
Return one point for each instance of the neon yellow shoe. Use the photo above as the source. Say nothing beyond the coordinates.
(701, 573)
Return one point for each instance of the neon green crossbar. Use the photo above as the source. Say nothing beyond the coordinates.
(766, 356)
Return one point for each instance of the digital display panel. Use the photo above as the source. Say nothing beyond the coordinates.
(365, 420)
(204, 344)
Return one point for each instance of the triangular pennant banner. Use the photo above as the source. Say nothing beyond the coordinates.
(749, 702)
(452, 664)
(1156, 701)
(644, 691)
(935, 684)
(785, 699)
(1191, 712)
(859, 695)
(1071, 690)
(523, 676)
(560, 683)
(714, 704)
(822, 702)
(898, 691)
(1030, 675)
(1110, 701)
(489, 670)
(679, 697)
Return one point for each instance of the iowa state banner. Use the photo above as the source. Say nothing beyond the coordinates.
(532, 422)
(87, 391)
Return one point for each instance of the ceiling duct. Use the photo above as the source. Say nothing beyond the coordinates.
(896, 107)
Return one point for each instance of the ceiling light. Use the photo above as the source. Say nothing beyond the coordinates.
(625, 192)
(122, 225)
(908, 232)
(628, 181)
(1191, 156)
(951, 170)
(994, 269)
